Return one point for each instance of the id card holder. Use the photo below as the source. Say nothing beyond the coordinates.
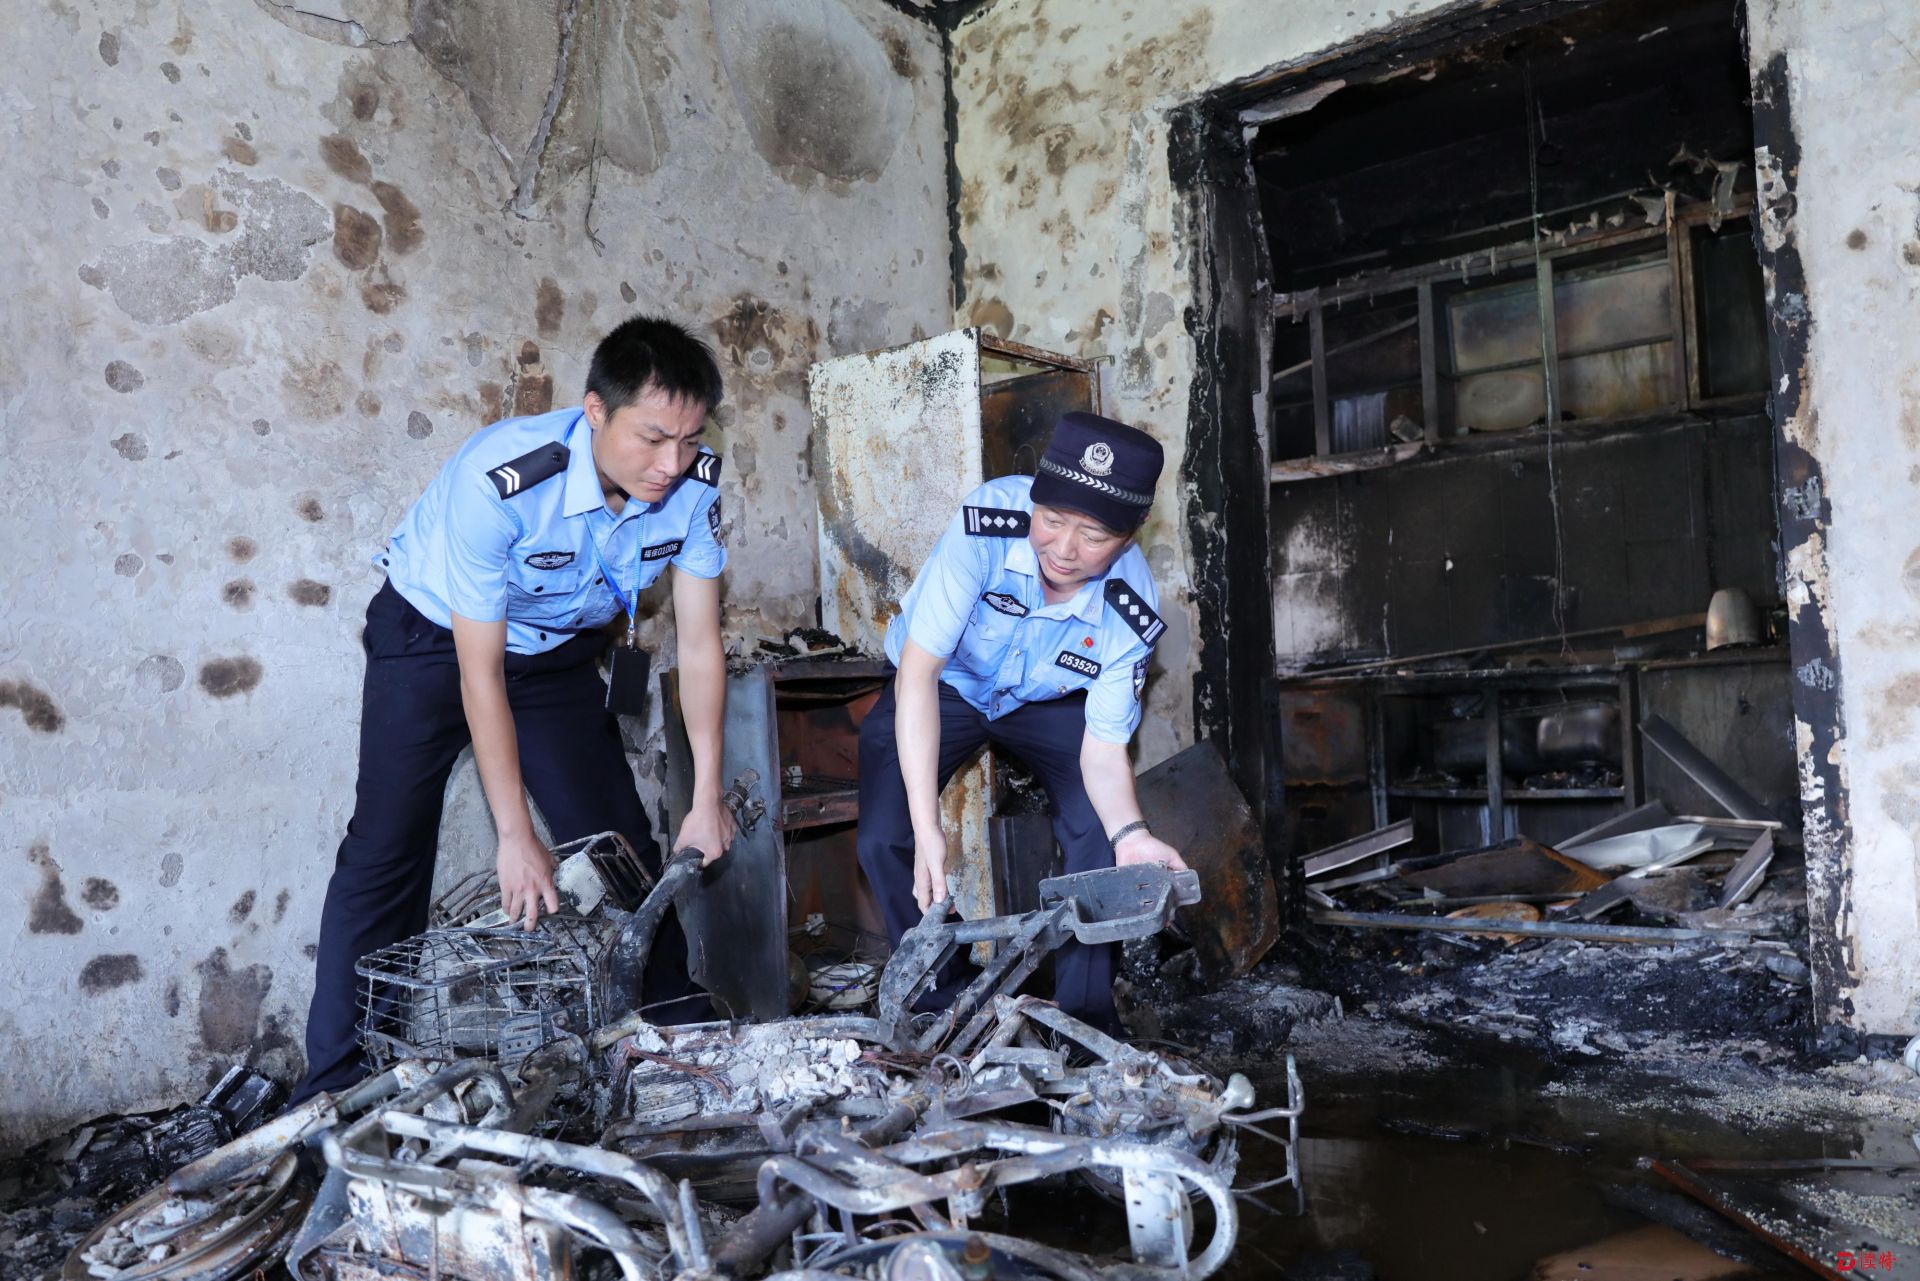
(627, 668)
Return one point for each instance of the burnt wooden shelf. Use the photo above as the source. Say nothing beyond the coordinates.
(816, 802)
(1511, 794)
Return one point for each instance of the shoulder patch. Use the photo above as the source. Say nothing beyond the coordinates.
(705, 469)
(996, 522)
(1134, 612)
(529, 469)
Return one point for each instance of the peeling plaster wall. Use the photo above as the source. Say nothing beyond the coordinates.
(271, 264)
(1075, 239)
(1843, 79)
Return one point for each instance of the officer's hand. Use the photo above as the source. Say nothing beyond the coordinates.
(708, 828)
(1144, 847)
(929, 868)
(526, 879)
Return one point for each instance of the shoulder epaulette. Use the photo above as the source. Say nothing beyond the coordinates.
(1133, 611)
(705, 469)
(529, 469)
(997, 522)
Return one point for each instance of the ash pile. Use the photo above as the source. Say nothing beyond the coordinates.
(1649, 932)
(528, 1123)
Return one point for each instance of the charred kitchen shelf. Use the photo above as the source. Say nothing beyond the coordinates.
(1510, 794)
(813, 801)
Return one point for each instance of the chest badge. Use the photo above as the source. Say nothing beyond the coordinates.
(550, 560)
(1086, 642)
(1005, 604)
(1077, 663)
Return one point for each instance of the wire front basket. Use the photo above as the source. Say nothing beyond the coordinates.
(479, 993)
(611, 870)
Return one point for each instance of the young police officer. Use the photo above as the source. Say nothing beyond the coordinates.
(537, 533)
(1029, 628)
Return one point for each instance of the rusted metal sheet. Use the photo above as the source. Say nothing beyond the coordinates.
(810, 801)
(1025, 354)
(1519, 866)
(896, 444)
(1191, 802)
(1347, 853)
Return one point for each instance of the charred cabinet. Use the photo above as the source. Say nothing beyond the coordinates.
(1477, 756)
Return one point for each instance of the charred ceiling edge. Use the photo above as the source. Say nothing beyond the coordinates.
(1394, 48)
(1804, 515)
(943, 16)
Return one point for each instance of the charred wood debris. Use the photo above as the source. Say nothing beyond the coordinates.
(524, 1122)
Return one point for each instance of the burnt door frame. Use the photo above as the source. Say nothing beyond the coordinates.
(1225, 468)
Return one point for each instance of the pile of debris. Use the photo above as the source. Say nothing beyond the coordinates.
(530, 1124)
(58, 1189)
(1646, 926)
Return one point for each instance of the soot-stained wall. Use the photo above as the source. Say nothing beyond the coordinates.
(271, 264)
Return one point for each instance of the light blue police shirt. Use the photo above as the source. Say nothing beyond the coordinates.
(489, 541)
(978, 604)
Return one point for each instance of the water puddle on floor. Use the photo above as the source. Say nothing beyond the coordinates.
(1473, 1175)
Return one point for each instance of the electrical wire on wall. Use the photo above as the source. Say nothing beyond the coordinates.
(1536, 130)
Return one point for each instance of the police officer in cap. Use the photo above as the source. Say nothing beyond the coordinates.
(1029, 628)
(488, 630)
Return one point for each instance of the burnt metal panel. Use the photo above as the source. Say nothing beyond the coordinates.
(1740, 517)
(736, 921)
(895, 446)
(1191, 802)
(1323, 736)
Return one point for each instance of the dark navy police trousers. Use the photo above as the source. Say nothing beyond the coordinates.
(412, 729)
(1046, 738)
